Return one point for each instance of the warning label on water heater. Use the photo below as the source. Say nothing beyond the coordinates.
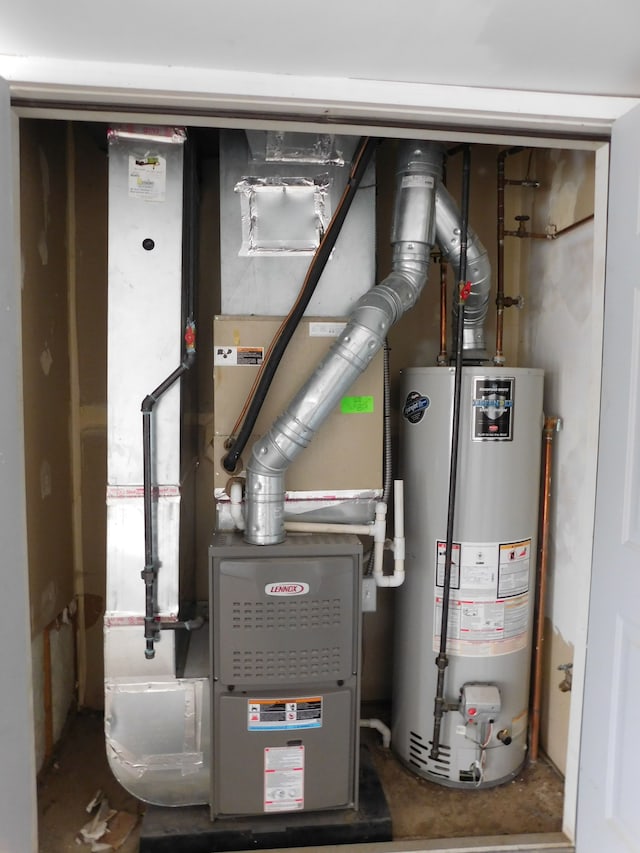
(492, 418)
(489, 607)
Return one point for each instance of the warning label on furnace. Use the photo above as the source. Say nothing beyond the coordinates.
(489, 600)
(284, 714)
(283, 778)
(493, 408)
(237, 356)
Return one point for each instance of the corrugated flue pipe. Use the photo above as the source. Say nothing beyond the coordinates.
(419, 172)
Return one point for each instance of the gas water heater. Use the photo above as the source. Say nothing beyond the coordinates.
(492, 590)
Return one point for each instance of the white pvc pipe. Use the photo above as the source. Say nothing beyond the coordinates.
(398, 538)
(397, 546)
(377, 530)
(328, 527)
(235, 496)
(379, 726)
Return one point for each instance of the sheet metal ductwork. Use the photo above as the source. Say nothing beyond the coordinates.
(420, 199)
(448, 236)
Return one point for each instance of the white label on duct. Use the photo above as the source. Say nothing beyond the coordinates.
(489, 600)
(283, 778)
(325, 330)
(147, 177)
(417, 181)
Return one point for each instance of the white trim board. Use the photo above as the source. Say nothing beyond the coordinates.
(202, 90)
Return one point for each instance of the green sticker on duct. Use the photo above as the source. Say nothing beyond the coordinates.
(356, 405)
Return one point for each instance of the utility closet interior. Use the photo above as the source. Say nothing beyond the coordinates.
(243, 612)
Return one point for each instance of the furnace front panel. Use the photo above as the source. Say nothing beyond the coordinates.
(285, 674)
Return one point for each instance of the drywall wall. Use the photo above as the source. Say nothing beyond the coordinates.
(562, 332)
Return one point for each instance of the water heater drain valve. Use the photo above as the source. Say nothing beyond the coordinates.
(480, 703)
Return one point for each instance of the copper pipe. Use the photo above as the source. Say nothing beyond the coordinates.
(442, 357)
(551, 425)
(574, 225)
(531, 235)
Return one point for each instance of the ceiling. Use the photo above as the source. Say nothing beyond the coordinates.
(571, 46)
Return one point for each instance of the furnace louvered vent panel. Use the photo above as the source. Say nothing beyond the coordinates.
(286, 615)
(300, 665)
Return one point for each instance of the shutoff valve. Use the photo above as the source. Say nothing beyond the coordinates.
(480, 703)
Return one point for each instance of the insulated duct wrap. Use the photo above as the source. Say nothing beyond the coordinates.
(418, 174)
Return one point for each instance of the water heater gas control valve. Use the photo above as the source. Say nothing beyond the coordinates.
(480, 703)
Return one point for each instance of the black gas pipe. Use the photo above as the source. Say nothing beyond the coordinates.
(442, 661)
(149, 574)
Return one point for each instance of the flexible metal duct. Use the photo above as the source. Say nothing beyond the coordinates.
(478, 272)
(423, 211)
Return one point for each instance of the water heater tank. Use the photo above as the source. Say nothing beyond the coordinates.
(483, 738)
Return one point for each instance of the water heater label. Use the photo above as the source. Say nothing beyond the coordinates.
(284, 714)
(513, 568)
(493, 401)
(489, 602)
(283, 778)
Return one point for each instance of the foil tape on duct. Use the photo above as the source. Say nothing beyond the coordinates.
(157, 736)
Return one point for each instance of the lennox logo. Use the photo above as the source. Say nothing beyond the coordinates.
(286, 588)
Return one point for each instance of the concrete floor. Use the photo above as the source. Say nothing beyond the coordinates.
(532, 803)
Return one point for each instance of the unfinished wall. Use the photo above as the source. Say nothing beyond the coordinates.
(45, 335)
(46, 369)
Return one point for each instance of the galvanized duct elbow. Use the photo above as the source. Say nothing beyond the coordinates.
(448, 236)
(418, 174)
